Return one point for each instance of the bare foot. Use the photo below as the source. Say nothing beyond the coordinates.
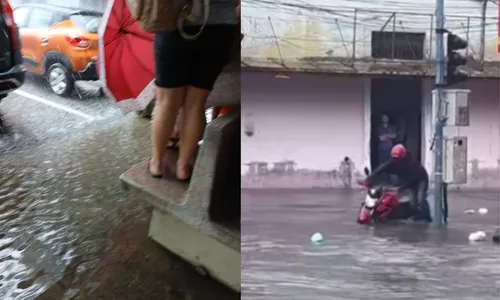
(155, 168)
(183, 172)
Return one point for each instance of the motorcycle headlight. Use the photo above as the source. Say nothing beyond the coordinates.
(370, 202)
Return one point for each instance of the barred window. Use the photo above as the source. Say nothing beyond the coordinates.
(398, 45)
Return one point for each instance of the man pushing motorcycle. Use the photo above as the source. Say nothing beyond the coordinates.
(412, 176)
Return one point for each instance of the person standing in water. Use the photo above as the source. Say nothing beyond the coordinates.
(386, 134)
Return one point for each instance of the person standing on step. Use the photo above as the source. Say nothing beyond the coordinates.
(186, 70)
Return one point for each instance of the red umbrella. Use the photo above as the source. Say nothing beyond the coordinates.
(126, 56)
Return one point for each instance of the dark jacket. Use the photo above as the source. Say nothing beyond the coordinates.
(409, 171)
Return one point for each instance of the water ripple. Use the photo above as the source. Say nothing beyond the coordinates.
(57, 203)
(399, 262)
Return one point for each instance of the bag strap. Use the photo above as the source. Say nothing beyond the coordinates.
(193, 16)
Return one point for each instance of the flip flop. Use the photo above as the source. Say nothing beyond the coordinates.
(150, 173)
(174, 145)
(185, 180)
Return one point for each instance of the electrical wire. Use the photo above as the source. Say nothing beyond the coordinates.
(398, 6)
(365, 17)
(346, 16)
(343, 20)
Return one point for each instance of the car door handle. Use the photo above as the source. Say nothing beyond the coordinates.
(45, 40)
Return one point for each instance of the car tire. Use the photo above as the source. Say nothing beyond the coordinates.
(60, 80)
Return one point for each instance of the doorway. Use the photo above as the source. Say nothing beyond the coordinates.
(400, 98)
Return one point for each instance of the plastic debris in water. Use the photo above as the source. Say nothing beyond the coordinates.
(469, 211)
(200, 142)
(496, 236)
(477, 236)
(482, 211)
(317, 238)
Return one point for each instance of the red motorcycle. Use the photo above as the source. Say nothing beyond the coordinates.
(383, 204)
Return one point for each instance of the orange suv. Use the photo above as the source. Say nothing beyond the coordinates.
(59, 43)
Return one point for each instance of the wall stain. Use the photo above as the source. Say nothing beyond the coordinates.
(299, 40)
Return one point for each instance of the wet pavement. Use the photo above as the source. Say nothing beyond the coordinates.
(66, 226)
(397, 261)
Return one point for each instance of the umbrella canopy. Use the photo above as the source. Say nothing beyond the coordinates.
(126, 56)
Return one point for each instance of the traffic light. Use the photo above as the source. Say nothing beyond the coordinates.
(455, 59)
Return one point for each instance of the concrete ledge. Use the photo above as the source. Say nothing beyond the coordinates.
(362, 65)
(216, 175)
(192, 205)
(221, 262)
(159, 193)
(204, 241)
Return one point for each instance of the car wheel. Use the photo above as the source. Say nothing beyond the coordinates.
(60, 80)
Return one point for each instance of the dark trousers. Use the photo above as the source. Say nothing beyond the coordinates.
(383, 155)
(419, 202)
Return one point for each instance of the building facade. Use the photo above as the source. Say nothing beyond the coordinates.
(357, 37)
(319, 120)
(317, 78)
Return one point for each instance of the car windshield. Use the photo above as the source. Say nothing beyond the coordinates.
(86, 22)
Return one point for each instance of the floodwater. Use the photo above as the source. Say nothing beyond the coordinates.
(67, 228)
(397, 261)
(57, 188)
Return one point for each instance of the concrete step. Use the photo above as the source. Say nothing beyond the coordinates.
(160, 193)
(200, 221)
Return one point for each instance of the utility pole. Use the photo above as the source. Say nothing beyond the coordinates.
(483, 32)
(448, 64)
(438, 158)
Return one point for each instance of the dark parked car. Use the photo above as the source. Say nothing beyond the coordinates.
(12, 72)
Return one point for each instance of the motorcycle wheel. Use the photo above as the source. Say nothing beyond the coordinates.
(358, 220)
(359, 213)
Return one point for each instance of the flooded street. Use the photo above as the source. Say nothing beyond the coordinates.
(408, 261)
(66, 226)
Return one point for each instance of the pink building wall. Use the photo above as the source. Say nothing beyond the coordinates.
(313, 120)
(317, 120)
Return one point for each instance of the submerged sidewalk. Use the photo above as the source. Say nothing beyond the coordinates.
(133, 267)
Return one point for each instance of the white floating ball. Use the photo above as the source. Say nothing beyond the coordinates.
(317, 238)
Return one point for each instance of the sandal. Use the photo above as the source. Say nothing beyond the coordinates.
(174, 145)
(185, 180)
(151, 173)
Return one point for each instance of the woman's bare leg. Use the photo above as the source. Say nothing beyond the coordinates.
(192, 127)
(168, 103)
(174, 140)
